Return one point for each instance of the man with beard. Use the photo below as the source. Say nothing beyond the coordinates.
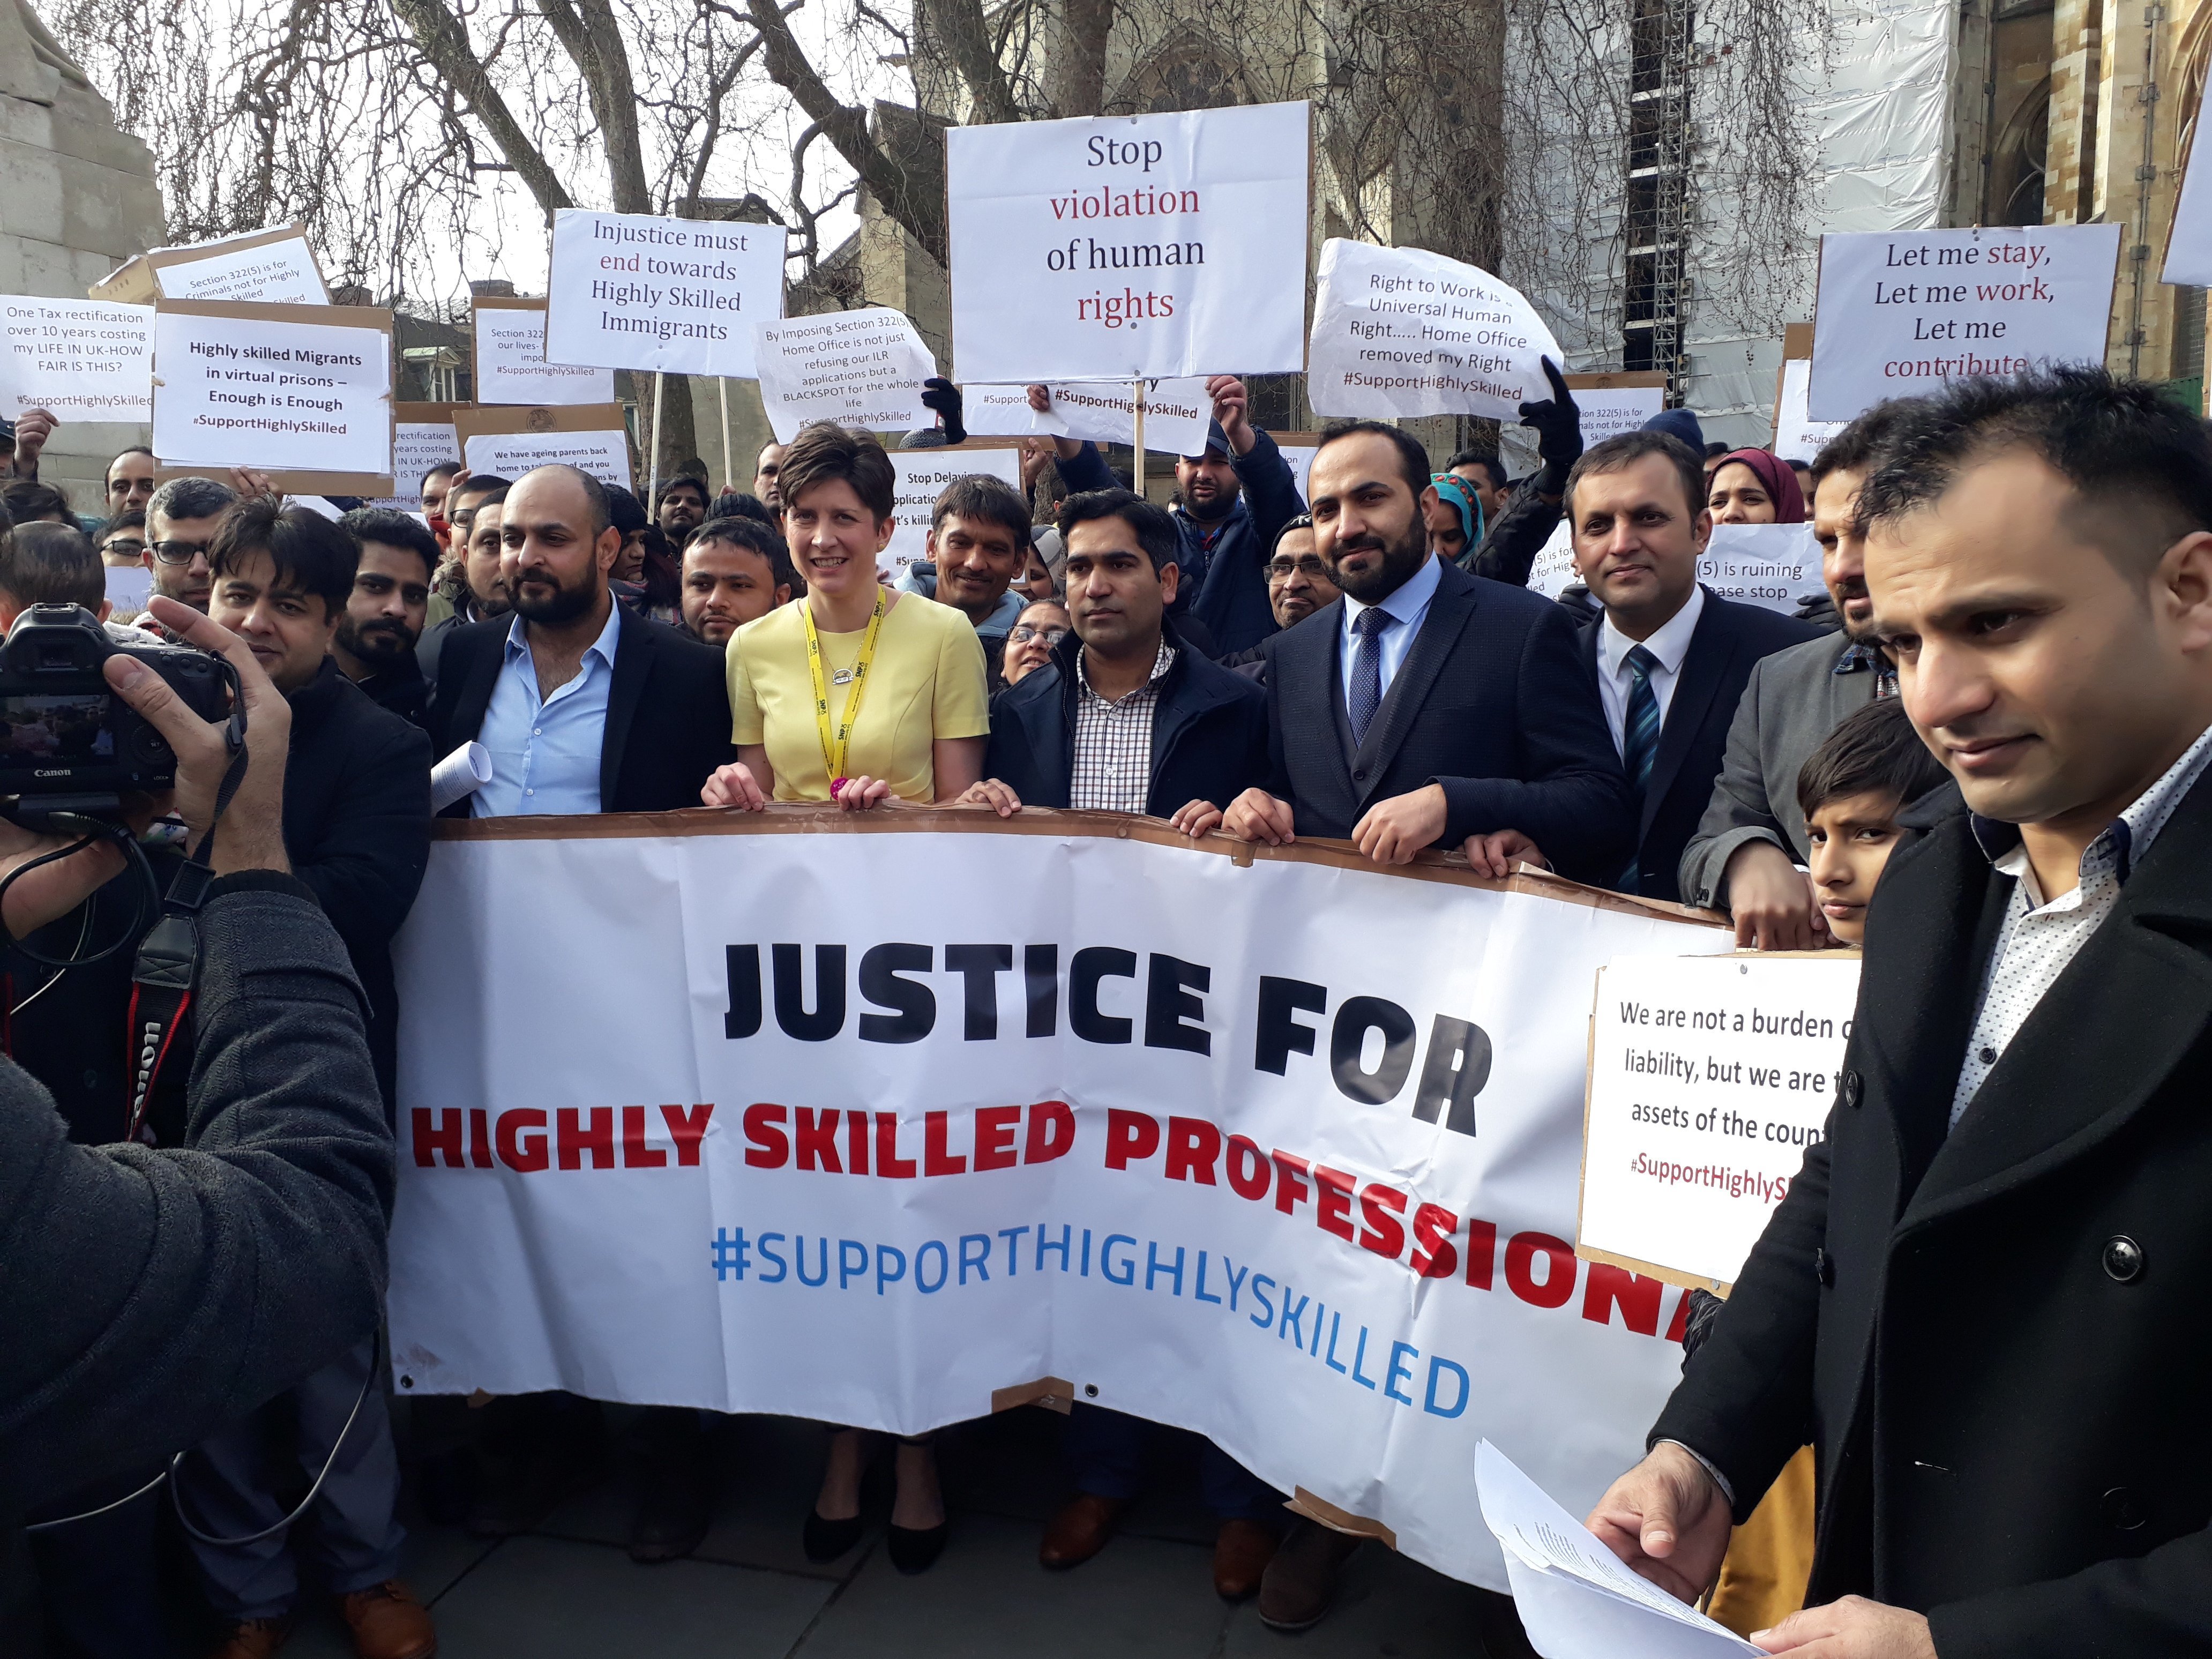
(376, 637)
(1747, 855)
(679, 507)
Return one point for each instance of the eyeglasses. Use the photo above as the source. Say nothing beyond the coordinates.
(176, 552)
(120, 547)
(1307, 565)
(1025, 632)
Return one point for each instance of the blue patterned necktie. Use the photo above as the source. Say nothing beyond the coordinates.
(1639, 729)
(1367, 670)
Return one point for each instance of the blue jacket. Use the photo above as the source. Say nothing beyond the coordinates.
(1226, 568)
(1209, 733)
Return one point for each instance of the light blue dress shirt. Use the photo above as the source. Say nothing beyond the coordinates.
(1406, 607)
(545, 755)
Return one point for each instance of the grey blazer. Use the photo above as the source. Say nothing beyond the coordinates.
(1795, 699)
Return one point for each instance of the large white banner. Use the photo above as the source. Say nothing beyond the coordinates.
(84, 360)
(627, 290)
(1126, 248)
(1901, 313)
(2189, 251)
(1285, 1152)
(1401, 331)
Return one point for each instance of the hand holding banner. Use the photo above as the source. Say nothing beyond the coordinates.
(1399, 332)
(629, 290)
(860, 368)
(1176, 412)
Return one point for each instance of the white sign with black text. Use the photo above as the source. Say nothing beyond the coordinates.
(278, 396)
(860, 368)
(511, 365)
(922, 476)
(627, 290)
(82, 359)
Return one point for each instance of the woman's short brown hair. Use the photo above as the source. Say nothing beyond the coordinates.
(824, 453)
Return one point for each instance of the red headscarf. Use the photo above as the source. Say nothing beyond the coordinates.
(1780, 481)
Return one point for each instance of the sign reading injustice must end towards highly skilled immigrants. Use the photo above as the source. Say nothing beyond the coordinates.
(1399, 332)
(631, 291)
(1708, 1078)
(1121, 248)
(85, 359)
(1902, 312)
(861, 368)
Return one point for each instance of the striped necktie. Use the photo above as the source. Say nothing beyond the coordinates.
(1639, 729)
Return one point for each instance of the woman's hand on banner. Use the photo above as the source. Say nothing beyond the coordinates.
(1496, 854)
(993, 794)
(861, 794)
(1669, 1520)
(733, 786)
(1196, 818)
(1256, 815)
(1393, 830)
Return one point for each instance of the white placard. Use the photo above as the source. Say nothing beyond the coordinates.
(629, 290)
(416, 447)
(279, 272)
(84, 360)
(2188, 254)
(1608, 411)
(922, 475)
(1004, 411)
(1399, 332)
(1903, 312)
(1177, 413)
(860, 368)
(1299, 456)
(1773, 566)
(511, 366)
(274, 396)
(129, 586)
(1553, 571)
(604, 455)
(1797, 435)
(1710, 1076)
(1121, 248)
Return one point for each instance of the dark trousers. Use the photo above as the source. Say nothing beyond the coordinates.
(1105, 1455)
(99, 1582)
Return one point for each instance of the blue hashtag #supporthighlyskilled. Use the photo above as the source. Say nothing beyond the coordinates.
(729, 1250)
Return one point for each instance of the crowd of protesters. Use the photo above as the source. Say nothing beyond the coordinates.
(1976, 753)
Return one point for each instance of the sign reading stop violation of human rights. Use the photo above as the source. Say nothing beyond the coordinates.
(1403, 331)
(1901, 313)
(1710, 1077)
(1128, 247)
(627, 290)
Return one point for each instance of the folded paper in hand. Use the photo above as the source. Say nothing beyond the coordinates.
(1576, 1599)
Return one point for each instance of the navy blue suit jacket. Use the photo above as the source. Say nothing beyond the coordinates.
(1495, 702)
(1729, 638)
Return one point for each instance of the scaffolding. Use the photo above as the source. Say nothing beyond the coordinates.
(1657, 207)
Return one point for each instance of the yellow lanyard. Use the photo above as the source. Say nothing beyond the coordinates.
(833, 748)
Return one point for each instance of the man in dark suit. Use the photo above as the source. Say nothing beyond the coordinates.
(1983, 1296)
(584, 707)
(1428, 707)
(1671, 658)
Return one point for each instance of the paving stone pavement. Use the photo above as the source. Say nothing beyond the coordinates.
(570, 1591)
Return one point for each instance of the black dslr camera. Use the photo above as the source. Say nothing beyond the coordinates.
(65, 738)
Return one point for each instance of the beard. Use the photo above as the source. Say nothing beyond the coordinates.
(381, 641)
(1401, 559)
(563, 604)
(1859, 632)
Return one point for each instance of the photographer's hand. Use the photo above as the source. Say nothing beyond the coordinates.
(51, 892)
(251, 835)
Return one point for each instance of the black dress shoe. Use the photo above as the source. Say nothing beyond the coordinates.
(915, 1549)
(674, 1509)
(826, 1541)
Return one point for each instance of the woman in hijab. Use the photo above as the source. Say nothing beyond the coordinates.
(1751, 486)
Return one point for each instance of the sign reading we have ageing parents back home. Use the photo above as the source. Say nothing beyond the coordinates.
(888, 1120)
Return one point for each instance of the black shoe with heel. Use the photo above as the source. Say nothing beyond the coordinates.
(826, 1541)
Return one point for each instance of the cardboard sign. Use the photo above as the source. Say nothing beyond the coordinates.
(860, 368)
(2189, 247)
(510, 358)
(281, 388)
(267, 267)
(923, 475)
(1399, 332)
(1297, 449)
(1903, 312)
(83, 359)
(1773, 566)
(422, 436)
(1708, 1078)
(506, 442)
(627, 290)
(1121, 248)
(1613, 403)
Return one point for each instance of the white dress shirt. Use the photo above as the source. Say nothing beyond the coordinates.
(545, 755)
(2038, 939)
(1669, 643)
(1405, 608)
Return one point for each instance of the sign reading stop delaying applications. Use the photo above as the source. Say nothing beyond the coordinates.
(1709, 1078)
(631, 291)
(1129, 247)
(1902, 312)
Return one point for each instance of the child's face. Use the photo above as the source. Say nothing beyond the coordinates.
(1852, 838)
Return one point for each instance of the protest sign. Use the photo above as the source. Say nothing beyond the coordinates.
(422, 436)
(507, 442)
(2188, 246)
(1400, 330)
(1709, 1078)
(860, 368)
(1797, 435)
(1553, 571)
(1902, 312)
(300, 392)
(1773, 565)
(1298, 448)
(266, 267)
(1004, 411)
(921, 476)
(1177, 413)
(627, 290)
(1613, 403)
(1271, 1143)
(510, 358)
(1125, 247)
(83, 359)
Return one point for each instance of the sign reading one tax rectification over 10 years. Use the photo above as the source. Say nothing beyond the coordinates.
(1130, 247)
